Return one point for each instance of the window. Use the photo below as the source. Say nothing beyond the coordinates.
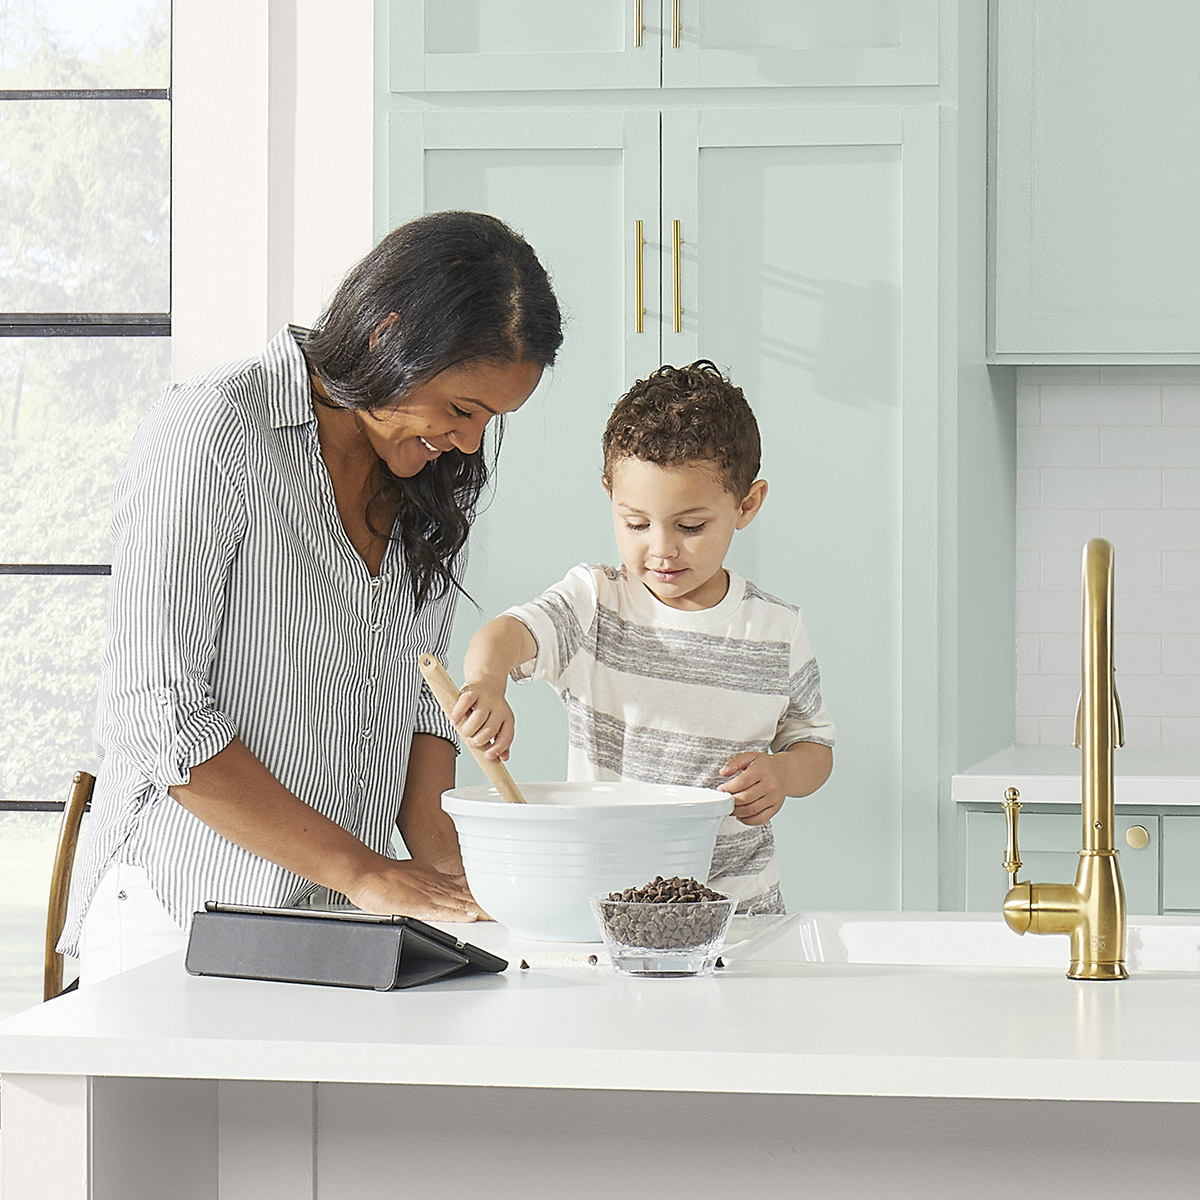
(85, 256)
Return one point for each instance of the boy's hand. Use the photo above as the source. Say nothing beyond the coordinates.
(757, 786)
(483, 717)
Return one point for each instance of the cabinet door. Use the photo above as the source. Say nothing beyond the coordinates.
(1096, 171)
(799, 43)
(808, 270)
(1181, 859)
(1049, 844)
(499, 45)
(573, 184)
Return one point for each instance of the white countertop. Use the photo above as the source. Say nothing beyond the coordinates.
(765, 1027)
(1052, 775)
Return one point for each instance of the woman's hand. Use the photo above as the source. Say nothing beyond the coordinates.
(483, 717)
(405, 889)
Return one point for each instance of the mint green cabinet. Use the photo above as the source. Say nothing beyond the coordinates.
(503, 45)
(1048, 845)
(1096, 168)
(1181, 854)
(831, 258)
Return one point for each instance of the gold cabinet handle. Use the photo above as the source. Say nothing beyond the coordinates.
(639, 24)
(639, 310)
(677, 241)
(1137, 837)
(676, 26)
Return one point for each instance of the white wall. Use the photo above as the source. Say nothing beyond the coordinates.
(272, 167)
(1112, 452)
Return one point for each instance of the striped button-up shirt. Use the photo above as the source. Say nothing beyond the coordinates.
(239, 608)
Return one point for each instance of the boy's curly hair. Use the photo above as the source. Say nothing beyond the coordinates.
(683, 415)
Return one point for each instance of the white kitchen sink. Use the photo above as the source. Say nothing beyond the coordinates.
(947, 939)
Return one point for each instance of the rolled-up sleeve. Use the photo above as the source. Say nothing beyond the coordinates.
(179, 516)
(437, 622)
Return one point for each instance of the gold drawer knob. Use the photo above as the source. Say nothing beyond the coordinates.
(1137, 836)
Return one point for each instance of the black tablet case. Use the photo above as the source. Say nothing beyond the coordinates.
(299, 946)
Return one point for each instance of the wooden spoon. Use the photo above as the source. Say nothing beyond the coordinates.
(446, 694)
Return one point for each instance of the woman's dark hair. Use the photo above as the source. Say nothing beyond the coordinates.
(682, 415)
(441, 291)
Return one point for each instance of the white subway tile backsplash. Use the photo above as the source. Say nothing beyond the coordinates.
(1029, 487)
(1058, 446)
(1140, 446)
(1056, 529)
(1181, 570)
(1028, 654)
(1181, 488)
(1029, 567)
(1047, 612)
(1163, 695)
(1136, 653)
(1181, 654)
(1029, 405)
(1096, 487)
(1153, 612)
(1142, 733)
(1029, 731)
(1114, 452)
(1181, 732)
(1122, 405)
(1058, 731)
(1181, 405)
(1060, 653)
(1141, 529)
(1049, 695)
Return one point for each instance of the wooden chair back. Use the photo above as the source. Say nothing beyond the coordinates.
(60, 878)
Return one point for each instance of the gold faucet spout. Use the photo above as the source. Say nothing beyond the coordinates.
(1092, 910)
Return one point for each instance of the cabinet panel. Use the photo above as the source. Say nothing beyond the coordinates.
(498, 45)
(799, 43)
(1181, 854)
(1049, 844)
(573, 185)
(806, 272)
(1096, 169)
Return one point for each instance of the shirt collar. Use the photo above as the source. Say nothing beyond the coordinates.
(294, 402)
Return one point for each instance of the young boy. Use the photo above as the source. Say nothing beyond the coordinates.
(673, 669)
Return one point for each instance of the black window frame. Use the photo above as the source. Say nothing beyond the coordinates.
(85, 324)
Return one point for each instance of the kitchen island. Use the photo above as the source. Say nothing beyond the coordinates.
(773, 1075)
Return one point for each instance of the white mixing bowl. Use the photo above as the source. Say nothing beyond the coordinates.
(533, 866)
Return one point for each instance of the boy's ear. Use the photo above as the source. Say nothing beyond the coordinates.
(607, 485)
(752, 504)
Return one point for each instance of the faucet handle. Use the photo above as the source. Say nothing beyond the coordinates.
(1012, 860)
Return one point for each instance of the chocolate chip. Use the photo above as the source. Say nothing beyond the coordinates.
(524, 965)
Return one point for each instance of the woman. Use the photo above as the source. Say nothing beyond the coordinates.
(289, 535)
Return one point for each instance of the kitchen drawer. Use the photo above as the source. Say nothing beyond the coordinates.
(1048, 846)
(1181, 863)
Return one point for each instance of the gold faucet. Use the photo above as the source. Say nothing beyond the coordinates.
(1092, 909)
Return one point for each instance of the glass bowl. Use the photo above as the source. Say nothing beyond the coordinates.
(655, 938)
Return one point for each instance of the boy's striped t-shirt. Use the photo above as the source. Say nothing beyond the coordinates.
(667, 695)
